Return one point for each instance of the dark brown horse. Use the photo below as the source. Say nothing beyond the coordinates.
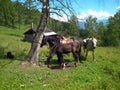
(59, 48)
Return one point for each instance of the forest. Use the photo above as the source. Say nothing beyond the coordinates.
(15, 14)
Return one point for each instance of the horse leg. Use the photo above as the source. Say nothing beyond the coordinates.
(62, 63)
(50, 58)
(58, 56)
(79, 54)
(93, 55)
(76, 57)
(61, 60)
(84, 49)
(86, 54)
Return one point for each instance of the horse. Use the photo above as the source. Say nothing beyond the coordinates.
(58, 45)
(89, 44)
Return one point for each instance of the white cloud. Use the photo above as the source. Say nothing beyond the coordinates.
(99, 15)
(118, 8)
(64, 17)
(84, 15)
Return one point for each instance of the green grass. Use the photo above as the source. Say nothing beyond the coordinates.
(102, 74)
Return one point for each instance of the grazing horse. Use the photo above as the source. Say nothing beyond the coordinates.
(61, 46)
(89, 44)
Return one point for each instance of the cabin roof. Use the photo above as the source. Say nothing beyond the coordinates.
(46, 33)
(30, 31)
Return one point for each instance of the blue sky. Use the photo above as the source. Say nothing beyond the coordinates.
(97, 5)
(101, 9)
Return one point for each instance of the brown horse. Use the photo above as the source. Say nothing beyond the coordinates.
(59, 48)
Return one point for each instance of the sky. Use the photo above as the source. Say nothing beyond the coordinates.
(101, 9)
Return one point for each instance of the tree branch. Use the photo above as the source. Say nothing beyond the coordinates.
(57, 14)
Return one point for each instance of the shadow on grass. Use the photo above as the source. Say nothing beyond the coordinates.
(21, 57)
(68, 63)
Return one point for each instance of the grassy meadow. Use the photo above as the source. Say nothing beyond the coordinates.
(101, 74)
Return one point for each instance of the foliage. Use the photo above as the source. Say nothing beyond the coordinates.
(16, 14)
(73, 29)
(107, 35)
(64, 28)
(102, 74)
(83, 33)
(113, 31)
(91, 26)
(13, 13)
(101, 33)
(8, 14)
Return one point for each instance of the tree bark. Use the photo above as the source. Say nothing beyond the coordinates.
(35, 46)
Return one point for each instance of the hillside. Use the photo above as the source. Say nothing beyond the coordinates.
(102, 74)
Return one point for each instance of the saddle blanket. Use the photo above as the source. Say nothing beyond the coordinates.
(66, 40)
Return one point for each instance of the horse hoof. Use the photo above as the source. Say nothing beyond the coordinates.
(62, 66)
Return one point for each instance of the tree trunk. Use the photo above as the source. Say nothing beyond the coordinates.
(35, 46)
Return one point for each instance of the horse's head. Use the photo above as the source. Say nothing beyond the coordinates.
(51, 40)
(44, 42)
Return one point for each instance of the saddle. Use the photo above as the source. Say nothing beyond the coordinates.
(66, 40)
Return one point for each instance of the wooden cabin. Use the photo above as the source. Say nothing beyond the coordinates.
(29, 35)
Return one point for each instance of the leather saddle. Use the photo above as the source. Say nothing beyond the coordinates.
(66, 40)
